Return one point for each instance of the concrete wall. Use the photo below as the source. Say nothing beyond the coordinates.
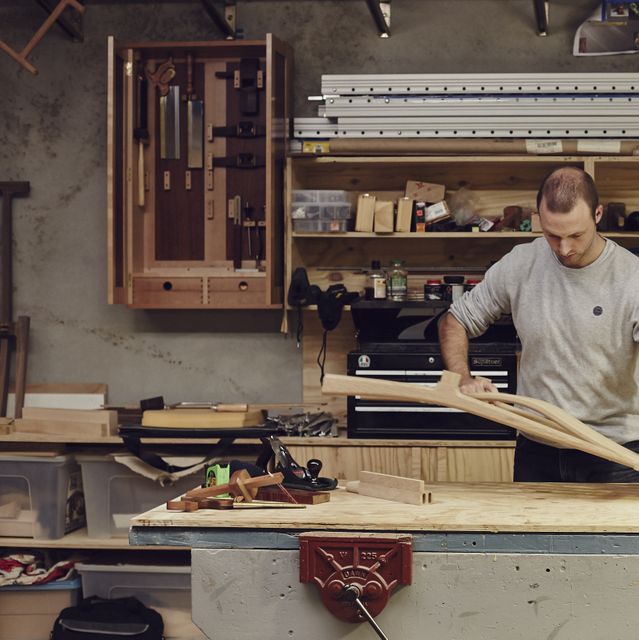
(52, 133)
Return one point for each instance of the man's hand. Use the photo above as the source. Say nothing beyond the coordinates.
(471, 385)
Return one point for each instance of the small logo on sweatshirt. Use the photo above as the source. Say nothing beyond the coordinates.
(597, 310)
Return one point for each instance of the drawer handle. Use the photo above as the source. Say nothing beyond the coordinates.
(243, 286)
(167, 286)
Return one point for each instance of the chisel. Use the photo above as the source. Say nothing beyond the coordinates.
(170, 124)
(195, 117)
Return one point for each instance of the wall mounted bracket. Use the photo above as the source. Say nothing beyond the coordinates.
(367, 566)
(541, 16)
(226, 19)
(381, 12)
(54, 17)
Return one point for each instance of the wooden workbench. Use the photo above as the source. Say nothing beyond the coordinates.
(490, 562)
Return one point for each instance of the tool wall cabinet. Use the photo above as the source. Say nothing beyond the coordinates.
(197, 136)
(495, 182)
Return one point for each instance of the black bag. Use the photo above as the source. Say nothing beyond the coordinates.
(116, 619)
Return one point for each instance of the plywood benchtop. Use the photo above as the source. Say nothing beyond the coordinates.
(455, 507)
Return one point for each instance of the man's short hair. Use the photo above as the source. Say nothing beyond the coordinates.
(564, 187)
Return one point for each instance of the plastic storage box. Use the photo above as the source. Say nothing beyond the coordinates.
(40, 497)
(114, 494)
(319, 195)
(28, 612)
(320, 226)
(167, 589)
(335, 211)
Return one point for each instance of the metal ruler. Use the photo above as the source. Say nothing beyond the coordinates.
(455, 83)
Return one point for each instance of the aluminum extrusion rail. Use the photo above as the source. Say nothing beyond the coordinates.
(460, 106)
(500, 83)
(479, 127)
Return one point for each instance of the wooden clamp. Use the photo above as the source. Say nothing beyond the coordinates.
(552, 426)
(241, 485)
(21, 57)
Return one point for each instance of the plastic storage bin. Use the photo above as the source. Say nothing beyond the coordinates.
(320, 226)
(167, 589)
(319, 195)
(322, 211)
(114, 494)
(40, 497)
(28, 612)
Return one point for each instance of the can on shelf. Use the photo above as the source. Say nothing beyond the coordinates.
(433, 290)
(453, 288)
(471, 284)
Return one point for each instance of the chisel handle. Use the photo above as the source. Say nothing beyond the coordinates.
(230, 408)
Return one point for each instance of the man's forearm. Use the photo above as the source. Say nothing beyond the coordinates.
(453, 342)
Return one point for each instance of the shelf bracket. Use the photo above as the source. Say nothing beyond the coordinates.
(541, 16)
(380, 10)
(225, 21)
(54, 16)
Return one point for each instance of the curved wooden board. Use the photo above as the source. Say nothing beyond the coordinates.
(447, 393)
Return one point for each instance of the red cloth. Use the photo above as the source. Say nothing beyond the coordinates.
(22, 568)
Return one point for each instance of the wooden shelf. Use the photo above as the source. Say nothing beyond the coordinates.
(76, 540)
(436, 235)
(33, 438)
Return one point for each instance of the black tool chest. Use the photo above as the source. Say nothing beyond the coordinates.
(197, 134)
(389, 349)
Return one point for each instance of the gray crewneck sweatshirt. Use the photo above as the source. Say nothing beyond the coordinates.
(579, 330)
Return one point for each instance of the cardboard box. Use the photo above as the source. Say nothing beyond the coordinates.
(425, 191)
(365, 214)
(437, 212)
(28, 612)
(404, 214)
(384, 217)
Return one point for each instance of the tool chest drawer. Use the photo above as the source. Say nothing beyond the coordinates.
(162, 292)
(248, 292)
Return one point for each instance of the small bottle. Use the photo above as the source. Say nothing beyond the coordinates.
(377, 280)
(397, 282)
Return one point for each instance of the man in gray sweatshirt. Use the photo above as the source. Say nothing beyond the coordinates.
(574, 300)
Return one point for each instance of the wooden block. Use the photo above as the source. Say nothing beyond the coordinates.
(387, 487)
(200, 419)
(62, 396)
(302, 497)
(98, 416)
(384, 217)
(425, 191)
(365, 213)
(404, 214)
(535, 223)
(65, 428)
